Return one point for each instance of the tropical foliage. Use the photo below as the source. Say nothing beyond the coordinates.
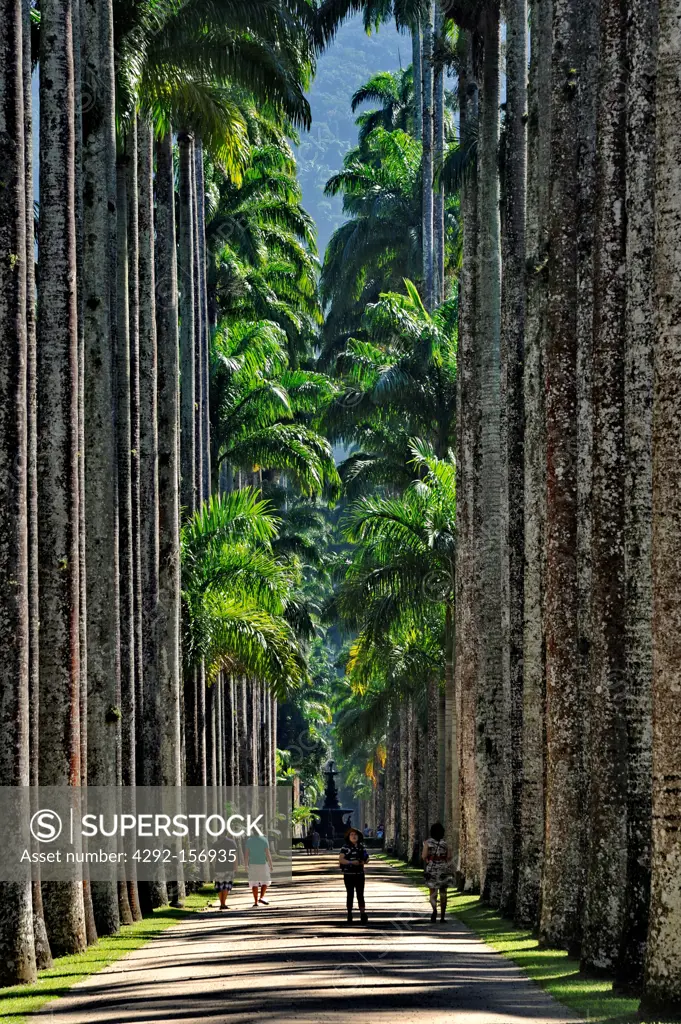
(414, 504)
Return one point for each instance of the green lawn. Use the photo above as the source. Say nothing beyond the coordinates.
(591, 999)
(20, 1000)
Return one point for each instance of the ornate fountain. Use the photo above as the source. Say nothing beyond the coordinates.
(333, 819)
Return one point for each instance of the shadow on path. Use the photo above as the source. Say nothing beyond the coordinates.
(297, 960)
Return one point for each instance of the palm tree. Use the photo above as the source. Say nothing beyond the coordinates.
(467, 524)
(439, 142)
(57, 397)
(42, 946)
(398, 384)
(125, 767)
(262, 246)
(16, 933)
(427, 160)
(640, 320)
(604, 911)
(236, 592)
(381, 242)
(533, 657)
(563, 876)
(489, 698)
(394, 91)
(662, 985)
(398, 591)
(162, 705)
(100, 321)
(259, 406)
(512, 420)
(187, 285)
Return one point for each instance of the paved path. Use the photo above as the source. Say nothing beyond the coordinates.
(297, 960)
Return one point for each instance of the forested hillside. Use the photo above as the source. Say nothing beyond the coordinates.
(350, 60)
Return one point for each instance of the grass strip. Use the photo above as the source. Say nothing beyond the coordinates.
(592, 999)
(20, 1000)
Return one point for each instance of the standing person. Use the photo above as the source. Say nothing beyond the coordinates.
(224, 884)
(437, 869)
(316, 840)
(352, 859)
(258, 862)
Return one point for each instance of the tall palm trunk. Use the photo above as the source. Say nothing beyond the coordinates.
(17, 947)
(512, 433)
(466, 631)
(43, 956)
(427, 160)
(640, 327)
(187, 326)
(272, 740)
(607, 732)
(588, 44)
(57, 446)
(403, 815)
(201, 461)
(147, 723)
(190, 678)
(254, 690)
(662, 986)
(489, 738)
(228, 716)
(148, 449)
(90, 927)
(211, 739)
(165, 710)
(198, 337)
(417, 72)
(452, 726)
(438, 156)
(127, 773)
(221, 730)
(562, 882)
(205, 326)
(534, 667)
(150, 714)
(201, 721)
(413, 773)
(131, 773)
(99, 217)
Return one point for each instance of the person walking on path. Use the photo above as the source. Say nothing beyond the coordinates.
(316, 839)
(229, 860)
(437, 869)
(352, 860)
(223, 888)
(258, 862)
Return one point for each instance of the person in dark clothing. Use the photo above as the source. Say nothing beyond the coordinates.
(353, 857)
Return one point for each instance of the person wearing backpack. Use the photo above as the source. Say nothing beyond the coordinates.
(437, 869)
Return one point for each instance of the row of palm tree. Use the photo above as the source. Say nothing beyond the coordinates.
(151, 621)
(561, 792)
